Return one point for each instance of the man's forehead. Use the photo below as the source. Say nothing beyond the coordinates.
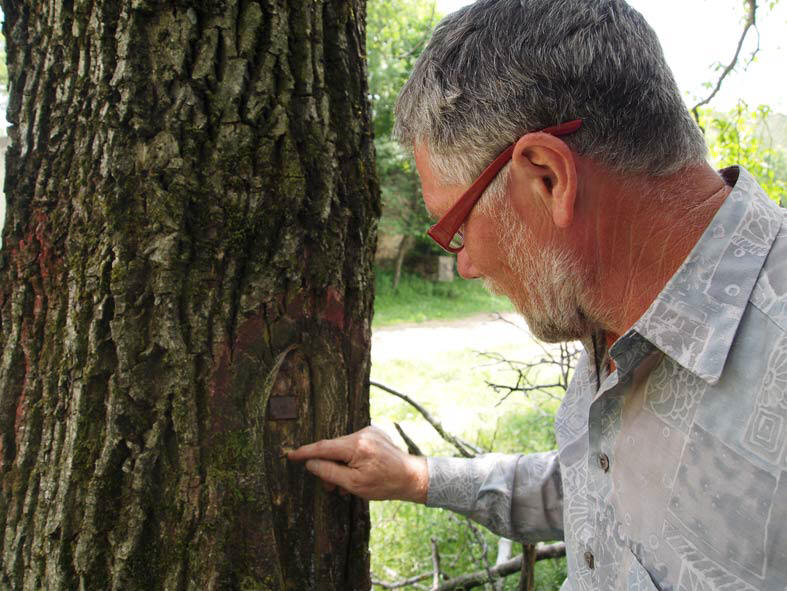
(438, 197)
(430, 179)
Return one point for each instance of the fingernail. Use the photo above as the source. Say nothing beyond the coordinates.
(311, 465)
(285, 451)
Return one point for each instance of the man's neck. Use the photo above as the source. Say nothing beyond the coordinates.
(642, 231)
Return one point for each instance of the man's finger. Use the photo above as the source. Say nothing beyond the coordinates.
(328, 449)
(336, 474)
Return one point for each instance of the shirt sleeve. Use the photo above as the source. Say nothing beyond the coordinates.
(516, 496)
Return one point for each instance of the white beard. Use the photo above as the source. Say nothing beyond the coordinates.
(548, 285)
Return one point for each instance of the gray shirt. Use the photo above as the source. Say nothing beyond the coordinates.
(673, 473)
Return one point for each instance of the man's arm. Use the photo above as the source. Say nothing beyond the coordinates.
(518, 496)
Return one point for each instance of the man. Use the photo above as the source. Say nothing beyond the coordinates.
(608, 226)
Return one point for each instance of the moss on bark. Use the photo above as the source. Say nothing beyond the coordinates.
(191, 198)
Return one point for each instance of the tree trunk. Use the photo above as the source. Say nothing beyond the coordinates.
(404, 247)
(528, 571)
(185, 287)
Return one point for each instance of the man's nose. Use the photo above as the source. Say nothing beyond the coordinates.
(465, 267)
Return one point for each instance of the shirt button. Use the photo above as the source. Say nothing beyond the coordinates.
(603, 462)
(589, 560)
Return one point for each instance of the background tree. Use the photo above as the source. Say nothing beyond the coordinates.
(419, 548)
(398, 31)
(185, 287)
(755, 139)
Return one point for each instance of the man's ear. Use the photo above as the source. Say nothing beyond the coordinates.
(543, 167)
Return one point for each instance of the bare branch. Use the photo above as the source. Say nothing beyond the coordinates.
(416, 49)
(751, 14)
(479, 538)
(525, 389)
(435, 565)
(402, 583)
(464, 448)
(412, 447)
(505, 569)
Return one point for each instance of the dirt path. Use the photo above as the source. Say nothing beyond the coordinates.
(485, 332)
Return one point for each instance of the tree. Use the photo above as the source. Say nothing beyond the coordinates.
(744, 137)
(398, 32)
(185, 288)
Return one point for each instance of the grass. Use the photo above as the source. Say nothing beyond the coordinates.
(419, 300)
(452, 385)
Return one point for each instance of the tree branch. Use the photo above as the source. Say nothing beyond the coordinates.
(402, 583)
(505, 569)
(465, 449)
(751, 14)
(412, 447)
(504, 546)
(435, 565)
(484, 562)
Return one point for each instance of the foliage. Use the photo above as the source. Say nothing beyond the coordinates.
(403, 206)
(754, 139)
(401, 546)
(401, 532)
(3, 65)
(453, 384)
(418, 299)
(397, 31)
(3, 69)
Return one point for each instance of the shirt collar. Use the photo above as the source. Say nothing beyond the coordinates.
(695, 317)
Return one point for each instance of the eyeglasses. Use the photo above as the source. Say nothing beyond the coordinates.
(446, 232)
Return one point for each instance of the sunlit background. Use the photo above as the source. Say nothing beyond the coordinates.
(698, 34)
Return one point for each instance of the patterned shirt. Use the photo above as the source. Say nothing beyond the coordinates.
(672, 474)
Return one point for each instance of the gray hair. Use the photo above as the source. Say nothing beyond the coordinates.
(497, 69)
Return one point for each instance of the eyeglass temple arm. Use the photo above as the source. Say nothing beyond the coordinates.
(444, 230)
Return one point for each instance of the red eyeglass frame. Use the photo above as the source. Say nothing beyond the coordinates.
(448, 225)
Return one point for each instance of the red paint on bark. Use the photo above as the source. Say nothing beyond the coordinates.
(333, 308)
(45, 258)
(248, 337)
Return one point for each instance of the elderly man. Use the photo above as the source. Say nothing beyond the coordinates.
(601, 220)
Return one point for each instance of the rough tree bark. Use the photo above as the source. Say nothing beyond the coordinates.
(186, 266)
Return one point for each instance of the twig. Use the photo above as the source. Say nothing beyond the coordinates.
(417, 48)
(484, 562)
(510, 567)
(402, 583)
(464, 448)
(412, 447)
(435, 565)
(751, 13)
(526, 389)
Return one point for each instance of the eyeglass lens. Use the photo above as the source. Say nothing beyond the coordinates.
(458, 240)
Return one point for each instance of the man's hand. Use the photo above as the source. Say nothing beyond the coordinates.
(367, 464)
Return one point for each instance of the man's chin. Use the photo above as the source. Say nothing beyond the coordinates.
(495, 288)
(541, 327)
